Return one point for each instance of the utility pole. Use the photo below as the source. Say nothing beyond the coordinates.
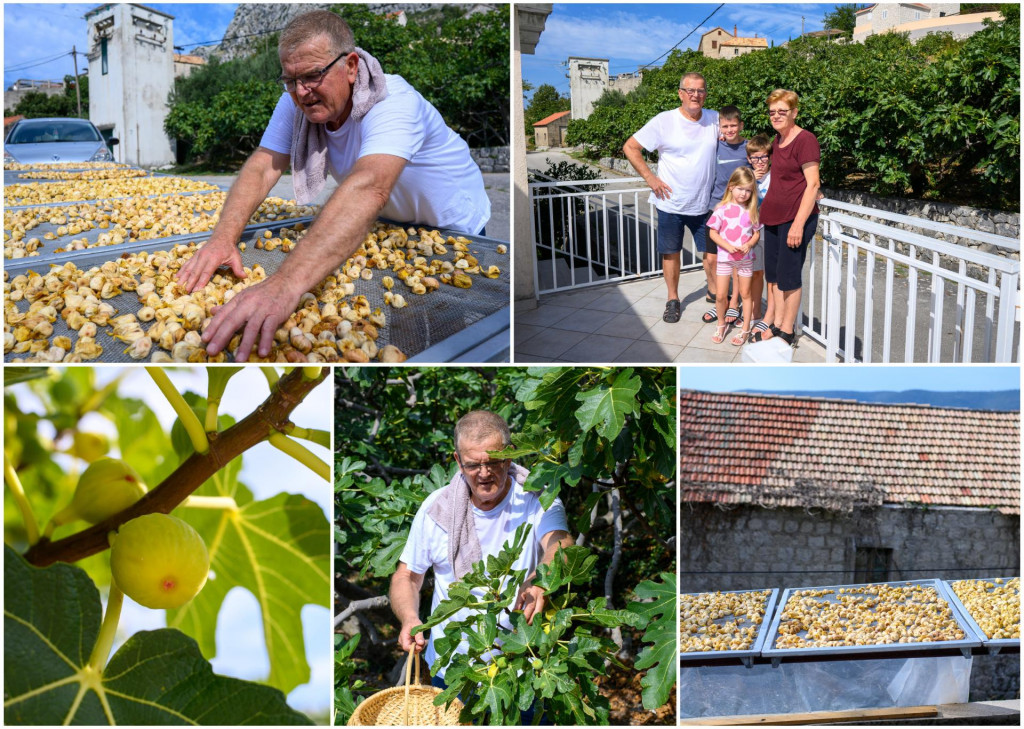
(78, 89)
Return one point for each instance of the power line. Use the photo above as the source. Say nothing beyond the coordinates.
(34, 63)
(686, 36)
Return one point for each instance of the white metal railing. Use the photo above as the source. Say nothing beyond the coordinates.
(916, 270)
(589, 232)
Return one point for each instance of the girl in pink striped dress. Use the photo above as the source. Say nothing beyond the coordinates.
(735, 229)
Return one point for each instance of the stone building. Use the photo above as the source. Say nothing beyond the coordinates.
(720, 43)
(185, 65)
(780, 491)
(588, 78)
(550, 131)
(918, 20)
(131, 74)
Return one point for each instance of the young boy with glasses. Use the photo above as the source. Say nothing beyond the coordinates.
(759, 156)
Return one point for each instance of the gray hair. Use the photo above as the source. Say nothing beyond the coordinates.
(479, 424)
(316, 23)
(691, 74)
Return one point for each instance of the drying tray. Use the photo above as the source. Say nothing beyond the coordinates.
(14, 177)
(449, 324)
(215, 187)
(747, 656)
(48, 254)
(963, 646)
(991, 646)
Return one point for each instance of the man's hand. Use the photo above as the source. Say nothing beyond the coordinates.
(660, 188)
(407, 641)
(199, 269)
(531, 601)
(260, 309)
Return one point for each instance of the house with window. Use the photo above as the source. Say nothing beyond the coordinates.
(918, 20)
(550, 131)
(719, 43)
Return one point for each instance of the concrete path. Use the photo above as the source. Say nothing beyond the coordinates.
(622, 323)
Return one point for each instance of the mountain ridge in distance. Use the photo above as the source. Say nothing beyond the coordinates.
(1001, 400)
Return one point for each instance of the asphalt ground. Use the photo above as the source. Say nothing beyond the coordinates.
(497, 185)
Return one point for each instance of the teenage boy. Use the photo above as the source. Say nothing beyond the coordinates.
(731, 153)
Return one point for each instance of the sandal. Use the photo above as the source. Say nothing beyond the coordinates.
(786, 337)
(759, 331)
(709, 298)
(710, 316)
(740, 339)
(735, 314)
(673, 310)
(719, 336)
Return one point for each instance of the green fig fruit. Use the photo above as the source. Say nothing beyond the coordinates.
(159, 561)
(106, 487)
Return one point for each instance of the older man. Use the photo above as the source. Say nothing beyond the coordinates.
(469, 520)
(686, 140)
(387, 146)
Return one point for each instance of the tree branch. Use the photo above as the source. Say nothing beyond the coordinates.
(191, 474)
(357, 605)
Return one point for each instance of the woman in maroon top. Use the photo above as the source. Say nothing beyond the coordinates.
(789, 211)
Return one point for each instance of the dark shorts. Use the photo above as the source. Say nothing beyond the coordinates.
(671, 230)
(783, 266)
(710, 247)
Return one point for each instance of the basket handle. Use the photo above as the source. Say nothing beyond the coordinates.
(413, 658)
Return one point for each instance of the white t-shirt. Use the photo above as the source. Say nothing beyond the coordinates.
(440, 185)
(687, 155)
(427, 547)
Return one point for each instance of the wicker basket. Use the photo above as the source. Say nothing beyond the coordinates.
(409, 705)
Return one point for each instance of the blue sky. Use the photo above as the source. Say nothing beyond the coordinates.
(631, 35)
(25, 45)
(862, 378)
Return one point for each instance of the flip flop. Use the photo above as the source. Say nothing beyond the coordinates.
(734, 313)
(673, 310)
(758, 332)
(710, 316)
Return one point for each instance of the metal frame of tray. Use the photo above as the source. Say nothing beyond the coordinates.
(879, 650)
(436, 327)
(990, 646)
(746, 657)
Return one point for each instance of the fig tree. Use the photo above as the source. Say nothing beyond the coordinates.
(106, 487)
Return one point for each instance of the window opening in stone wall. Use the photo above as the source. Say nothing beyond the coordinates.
(872, 564)
(103, 56)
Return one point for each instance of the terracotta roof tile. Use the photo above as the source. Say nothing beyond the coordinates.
(840, 454)
(551, 118)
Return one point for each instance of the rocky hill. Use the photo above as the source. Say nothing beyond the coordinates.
(252, 22)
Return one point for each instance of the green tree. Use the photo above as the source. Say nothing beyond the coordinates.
(600, 439)
(57, 651)
(843, 18)
(36, 104)
(545, 101)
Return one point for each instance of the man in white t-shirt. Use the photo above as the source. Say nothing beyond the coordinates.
(493, 496)
(686, 140)
(390, 151)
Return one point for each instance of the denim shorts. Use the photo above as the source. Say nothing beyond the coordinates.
(671, 228)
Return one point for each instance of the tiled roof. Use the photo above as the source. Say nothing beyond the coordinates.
(775, 450)
(549, 119)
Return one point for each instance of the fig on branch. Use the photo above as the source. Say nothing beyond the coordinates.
(159, 561)
(106, 487)
(89, 446)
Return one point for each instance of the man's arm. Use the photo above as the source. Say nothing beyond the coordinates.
(405, 603)
(258, 176)
(531, 598)
(634, 153)
(338, 230)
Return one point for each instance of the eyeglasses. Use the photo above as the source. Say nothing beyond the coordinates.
(694, 92)
(778, 112)
(759, 158)
(491, 466)
(309, 80)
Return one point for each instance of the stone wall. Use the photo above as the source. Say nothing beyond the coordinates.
(752, 547)
(491, 159)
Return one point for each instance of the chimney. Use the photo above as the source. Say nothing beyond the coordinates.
(734, 33)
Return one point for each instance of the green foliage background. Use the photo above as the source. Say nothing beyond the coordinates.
(580, 431)
(460, 65)
(937, 119)
(37, 105)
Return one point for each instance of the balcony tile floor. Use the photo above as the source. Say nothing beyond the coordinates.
(622, 323)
